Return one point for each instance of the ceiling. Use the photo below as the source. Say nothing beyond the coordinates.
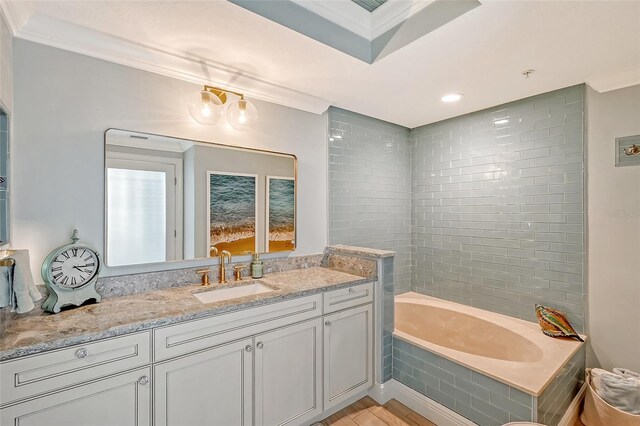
(480, 54)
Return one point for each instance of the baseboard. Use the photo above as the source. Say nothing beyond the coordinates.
(426, 407)
(381, 393)
(573, 411)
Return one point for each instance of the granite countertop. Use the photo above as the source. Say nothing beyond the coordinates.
(39, 331)
(361, 251)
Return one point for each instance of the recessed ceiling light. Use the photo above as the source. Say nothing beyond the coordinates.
(503, 121)
(452, 97)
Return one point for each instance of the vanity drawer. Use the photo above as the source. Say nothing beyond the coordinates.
(347, 297)
(183, 338)
(37, 374)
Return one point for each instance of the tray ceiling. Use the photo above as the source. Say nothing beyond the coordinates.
(480, 54)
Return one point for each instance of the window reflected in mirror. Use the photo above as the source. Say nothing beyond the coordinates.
(171, 199)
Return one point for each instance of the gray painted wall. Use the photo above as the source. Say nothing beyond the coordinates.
(614, 232)
(6, 65)
(497, 209)
(63, 134)
(369, 187)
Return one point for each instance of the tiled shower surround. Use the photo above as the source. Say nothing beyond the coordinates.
(497, 209)
(370, 187)
(496, 202)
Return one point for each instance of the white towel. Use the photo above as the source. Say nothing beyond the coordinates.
(620, 392)
(626, 373)
(18, 287)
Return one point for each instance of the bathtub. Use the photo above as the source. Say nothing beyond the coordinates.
(490, 368)
(509, 350)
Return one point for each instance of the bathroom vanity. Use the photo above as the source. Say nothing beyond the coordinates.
(165, 358)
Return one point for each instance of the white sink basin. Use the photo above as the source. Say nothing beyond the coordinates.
(220, 294)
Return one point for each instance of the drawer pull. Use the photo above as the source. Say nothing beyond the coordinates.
(351, 290)
(81, 353)
(143, 380)
(260, 345)
(248, 348)
(327, 323)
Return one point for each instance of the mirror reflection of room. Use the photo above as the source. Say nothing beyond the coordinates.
(173, 199)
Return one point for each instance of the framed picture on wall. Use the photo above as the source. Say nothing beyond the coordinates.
(232, 212)
(280, 214)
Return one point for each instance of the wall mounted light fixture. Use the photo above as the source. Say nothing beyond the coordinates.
(208, 106)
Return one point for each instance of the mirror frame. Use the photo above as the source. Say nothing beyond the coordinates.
(162, 266)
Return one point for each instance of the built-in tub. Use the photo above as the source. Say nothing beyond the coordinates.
(487, 367)
(507, 349)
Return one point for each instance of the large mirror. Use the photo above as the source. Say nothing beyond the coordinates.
(4, 177)
(169, 199)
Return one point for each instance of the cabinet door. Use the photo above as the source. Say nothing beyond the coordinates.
(212, 387)
(348, 354)
(288, 374)
(123, 400)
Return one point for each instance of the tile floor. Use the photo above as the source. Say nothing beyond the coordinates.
(367, 412)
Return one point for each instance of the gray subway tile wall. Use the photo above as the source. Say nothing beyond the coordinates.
(559, 394)
(497, 207)
(479, 398)
(370, 187)
(388, 310)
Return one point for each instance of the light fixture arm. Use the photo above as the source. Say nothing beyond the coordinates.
(222, 93)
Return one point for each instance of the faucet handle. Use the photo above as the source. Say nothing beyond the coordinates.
(238, 271)
(205, 276)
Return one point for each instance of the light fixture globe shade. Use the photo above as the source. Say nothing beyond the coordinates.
(242, 115)
(205, 108)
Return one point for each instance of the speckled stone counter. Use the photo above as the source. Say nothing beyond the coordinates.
(39, 331)
(360, 251)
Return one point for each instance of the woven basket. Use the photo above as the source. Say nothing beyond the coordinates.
(598, 413)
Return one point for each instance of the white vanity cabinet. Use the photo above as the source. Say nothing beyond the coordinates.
(348, 354)
(277, 364)
(288, 374)
(123, 400)
(210, 387)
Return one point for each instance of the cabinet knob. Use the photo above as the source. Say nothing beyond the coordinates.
(248, 348)
(260, 345)
(351, 290)
(81, 353)
(327, 323)
(143, 380)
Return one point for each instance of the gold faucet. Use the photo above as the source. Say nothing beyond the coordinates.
(213, 251)
(223, 270)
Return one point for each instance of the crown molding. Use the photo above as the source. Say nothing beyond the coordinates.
(366, 24)
(393, 13)
(615, 80)
(345, 13)
(55, 33)
(15, 14)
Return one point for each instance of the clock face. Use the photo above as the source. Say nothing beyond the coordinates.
(74, 267)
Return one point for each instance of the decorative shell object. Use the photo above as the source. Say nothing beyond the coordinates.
(554, 324)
